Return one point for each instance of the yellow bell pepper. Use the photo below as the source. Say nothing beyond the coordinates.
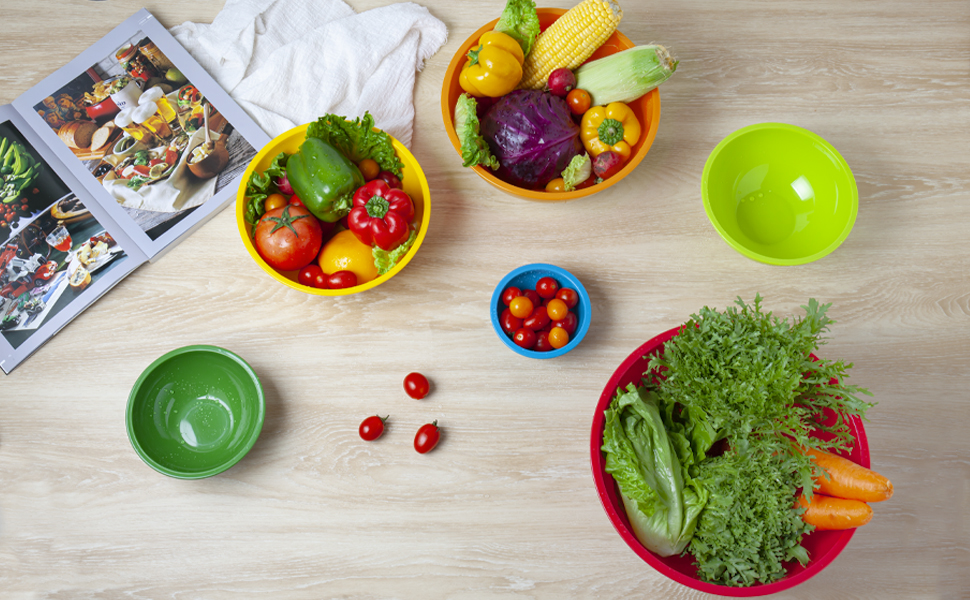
(611, 127)
(494, 66)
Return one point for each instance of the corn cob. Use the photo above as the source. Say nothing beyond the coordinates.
(570, 40)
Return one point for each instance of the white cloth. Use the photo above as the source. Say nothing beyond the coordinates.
(288, 62)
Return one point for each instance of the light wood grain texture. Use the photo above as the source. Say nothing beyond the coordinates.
(505, 507)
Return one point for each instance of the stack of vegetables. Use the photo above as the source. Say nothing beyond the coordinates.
(728, 450)
(538, 114)
(335, 211)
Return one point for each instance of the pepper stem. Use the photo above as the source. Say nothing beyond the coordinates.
(473, 55)
(610, 132)
(377, 207)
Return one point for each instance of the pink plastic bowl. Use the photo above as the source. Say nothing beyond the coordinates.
(822, 546)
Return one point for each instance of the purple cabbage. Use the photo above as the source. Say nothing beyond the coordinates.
(533, 135)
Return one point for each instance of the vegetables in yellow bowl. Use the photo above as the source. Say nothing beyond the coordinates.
(343, 170)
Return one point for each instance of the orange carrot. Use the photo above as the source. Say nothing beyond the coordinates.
(847, 479)
(826, 512)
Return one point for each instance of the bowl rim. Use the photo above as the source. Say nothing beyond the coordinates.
(535, 195)
(581, 328)
(243, 450)
(603, 480)
(820, 141)
(241, 225)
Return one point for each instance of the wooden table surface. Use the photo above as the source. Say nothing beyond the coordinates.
(506, 507)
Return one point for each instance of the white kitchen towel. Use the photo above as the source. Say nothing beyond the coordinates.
(288, 62)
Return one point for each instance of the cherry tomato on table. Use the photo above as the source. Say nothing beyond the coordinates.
(416, 385)
(427, 437)
(372, 428)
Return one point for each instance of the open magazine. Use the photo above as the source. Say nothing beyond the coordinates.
(104, 165)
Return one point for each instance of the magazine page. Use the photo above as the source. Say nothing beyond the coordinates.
(59, 250)
(146, 130)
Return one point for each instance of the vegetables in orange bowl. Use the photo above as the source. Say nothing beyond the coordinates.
(646, 109)
(413, 181)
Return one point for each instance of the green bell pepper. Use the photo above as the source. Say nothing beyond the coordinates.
(323, 179)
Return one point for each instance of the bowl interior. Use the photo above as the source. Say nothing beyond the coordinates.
(779, 194)
(823, 546)
(646, 108)
(412, 179)
(525, 278)
(195, 412)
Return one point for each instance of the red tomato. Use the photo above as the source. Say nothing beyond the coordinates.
(295, 201)
(510, 293)
(578, 100)
(369, 168)
(274, 201)
(288, 238)
(569, 296)
(607, 164)
(542, 342)
(568, 323)
(141, 170)
(416, 385)
(390, 179)
(341, 280)
(557, 309)
(524, 338)
(309, 274)
(427, 437)
(547, 287)
(371, 428)
(538, 319)
(509, 322)
(558, 337)
(532, 295)
(521, 307)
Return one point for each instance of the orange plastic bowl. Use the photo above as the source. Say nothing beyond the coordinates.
(412, 178)
(646, 108)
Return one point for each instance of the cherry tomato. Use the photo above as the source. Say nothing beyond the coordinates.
(274, 201)
(568, 323)
(509, 322)
(533, 296)
(556, 185)
(578, 100)
(369, 168)
(524, 338)
(557, 309)
(547, 287)
(372, 428)
(538, 319)
(521, 307)
(416, 385)
(558, 337)
(427, 437)
(341, 280)
(390, 179)
(510, 293)
(569, 296)
(542, 342)
(308, 275)
(295, 201)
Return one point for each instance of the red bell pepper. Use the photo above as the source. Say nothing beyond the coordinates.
(381, 215)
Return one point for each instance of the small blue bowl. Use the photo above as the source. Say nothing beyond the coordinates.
(525, 278)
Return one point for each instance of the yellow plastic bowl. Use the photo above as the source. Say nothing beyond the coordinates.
(646, 108)
(413, 180)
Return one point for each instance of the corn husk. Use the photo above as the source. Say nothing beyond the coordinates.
(626, 75)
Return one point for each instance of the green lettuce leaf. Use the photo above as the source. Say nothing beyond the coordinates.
(577, 171)
(661, 499)
(474, 148)
(520, 21)
(260, 186)
(357, 140)
(385, 260)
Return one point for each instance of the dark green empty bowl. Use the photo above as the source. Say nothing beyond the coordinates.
(195, 412)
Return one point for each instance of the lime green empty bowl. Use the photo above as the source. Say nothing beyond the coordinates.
(779, 194)
(195, 412)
